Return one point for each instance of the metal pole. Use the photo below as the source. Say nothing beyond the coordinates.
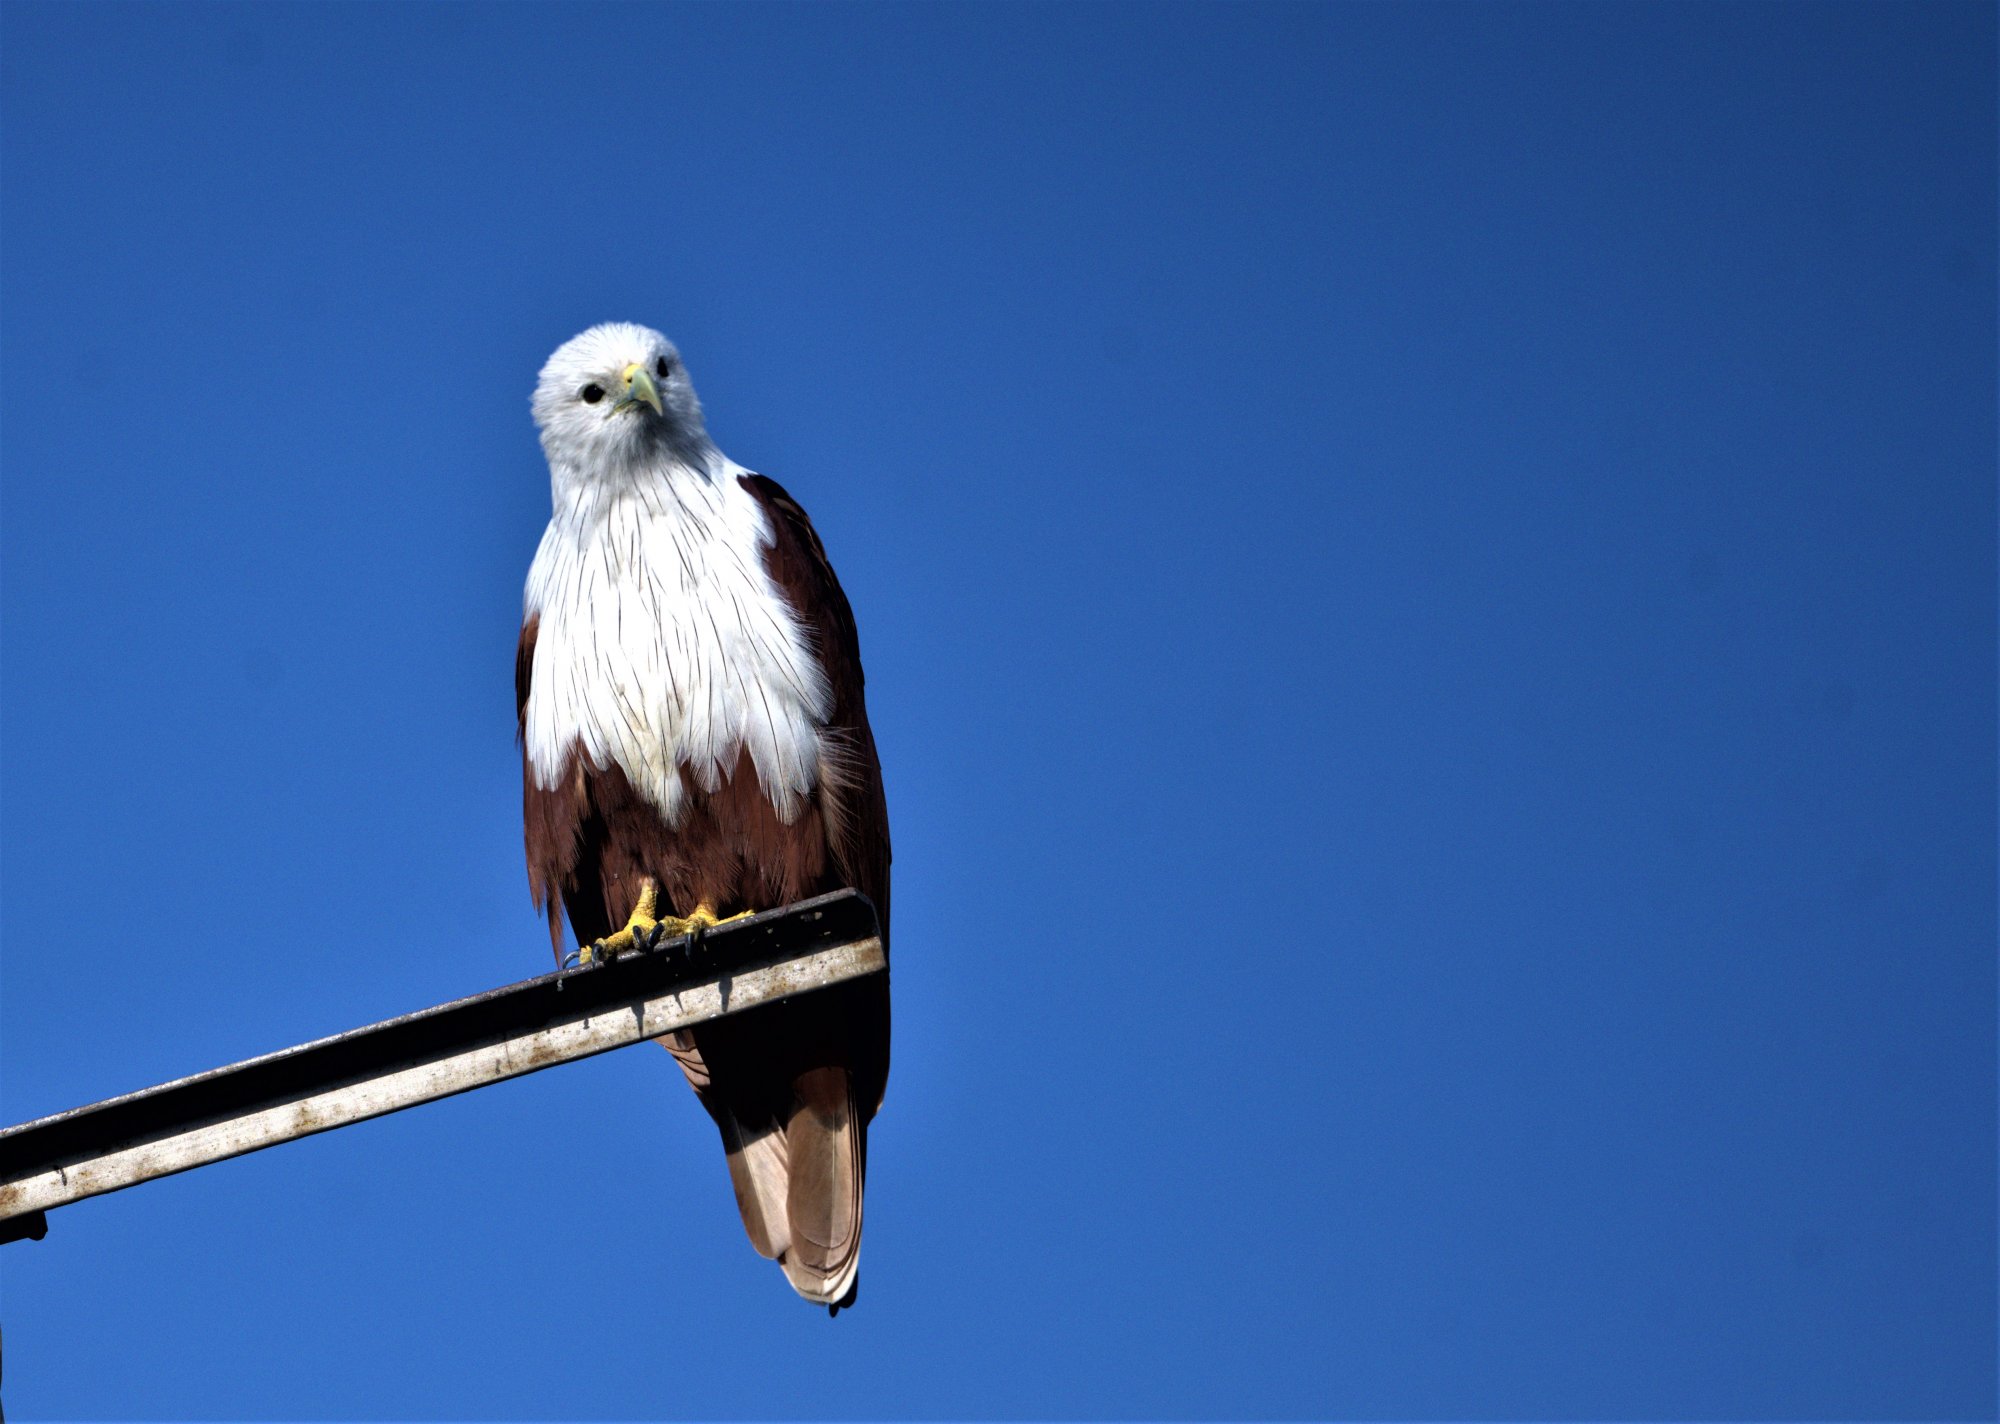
(431, 1054)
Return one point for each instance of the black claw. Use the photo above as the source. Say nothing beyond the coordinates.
(846, 1302)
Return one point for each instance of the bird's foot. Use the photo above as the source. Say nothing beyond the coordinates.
(640, 932)
(702, 918)
(648, 930)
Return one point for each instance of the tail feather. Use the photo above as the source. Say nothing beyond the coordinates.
(757, 1171)
(825, 1149)
(799, 1185)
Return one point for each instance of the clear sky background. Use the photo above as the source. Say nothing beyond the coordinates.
(1427, 577)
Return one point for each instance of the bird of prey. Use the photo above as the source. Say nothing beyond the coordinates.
(694, 747)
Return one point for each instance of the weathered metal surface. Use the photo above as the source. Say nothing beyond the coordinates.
(420, 1057)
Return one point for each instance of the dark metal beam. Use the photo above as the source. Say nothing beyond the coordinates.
(434, 1053)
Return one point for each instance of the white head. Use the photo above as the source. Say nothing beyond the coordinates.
(616, 398)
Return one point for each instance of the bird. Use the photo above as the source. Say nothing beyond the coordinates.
(695, 747)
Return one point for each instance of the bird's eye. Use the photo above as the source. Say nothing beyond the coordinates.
(592, 393)
(663, 368)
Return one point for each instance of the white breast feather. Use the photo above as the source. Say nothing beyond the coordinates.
(665, 649)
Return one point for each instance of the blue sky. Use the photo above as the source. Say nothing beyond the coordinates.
(1427, 575)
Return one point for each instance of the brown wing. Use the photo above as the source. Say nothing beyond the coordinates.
(793, 1095)
(548, 817)
(588, 837)
(855, 811)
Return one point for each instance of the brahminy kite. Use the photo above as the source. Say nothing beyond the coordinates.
(694, 747)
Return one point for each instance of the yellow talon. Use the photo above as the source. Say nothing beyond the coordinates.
(702, 918)
(647, 922)
(626, 940)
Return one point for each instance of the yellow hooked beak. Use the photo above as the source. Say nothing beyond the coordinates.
(639, 390)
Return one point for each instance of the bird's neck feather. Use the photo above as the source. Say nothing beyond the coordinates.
(660, 477)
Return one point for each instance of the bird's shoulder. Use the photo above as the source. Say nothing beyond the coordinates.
(798, 564)
(524, 669)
